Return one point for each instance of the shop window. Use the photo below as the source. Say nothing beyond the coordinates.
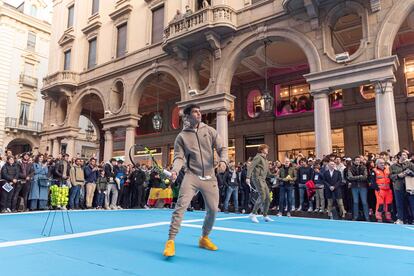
(292, 99)
(335, 99)
(251, 145)
(367, 91)
(370, 139)
(144, 158)
(293, 144)
(409, 75)
(254, 106)
(232, 150)
(175, 118)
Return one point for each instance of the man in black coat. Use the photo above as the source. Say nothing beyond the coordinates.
(10, 173)
(26, 173)
(136, 180)
(333, 182)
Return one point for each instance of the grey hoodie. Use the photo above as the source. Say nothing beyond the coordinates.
(194, 148)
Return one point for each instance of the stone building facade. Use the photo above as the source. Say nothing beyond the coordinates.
(24, 51)
(339, 72)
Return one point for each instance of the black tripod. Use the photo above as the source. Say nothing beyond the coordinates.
(53, 220)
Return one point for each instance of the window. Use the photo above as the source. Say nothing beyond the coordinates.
(347, 34)
(409, 75)
(367, 91)
(175, 118)
(71, 13)
(157, 25)
(291, 99)
(121, 40)
(28, 69)
(370, 139)
(251, 145)
(254, 106)
(335, 99)
(95, 6)
(33, 11)
(92, 53)
(66, 64)
(31, 41)
(290, 145)
(24, 113)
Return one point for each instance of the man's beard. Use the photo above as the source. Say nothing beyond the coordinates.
(190, 121)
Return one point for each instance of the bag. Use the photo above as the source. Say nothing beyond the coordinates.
(409, 184)
(43, 181)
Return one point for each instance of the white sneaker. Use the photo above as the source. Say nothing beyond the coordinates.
(119, 207)
(279, 214)
(253, 218)
(316, 210)
(286, 209)
(288, 214)
(310, 209)
(398, 221)
(321, 211)
(267, 219)
(300, 208)
(293, 209)
(243, 211)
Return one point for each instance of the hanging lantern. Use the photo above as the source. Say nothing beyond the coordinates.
(266, 100)
(89, 131)
(157, 121)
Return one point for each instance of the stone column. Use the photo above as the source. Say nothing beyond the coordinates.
(323, 138)
(56, 147)
(222, 126)
(70, 148)
(129, 142)
(109, 145)
(386, 118)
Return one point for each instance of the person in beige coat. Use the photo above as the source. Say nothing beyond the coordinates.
(77, 179)
(194, 149)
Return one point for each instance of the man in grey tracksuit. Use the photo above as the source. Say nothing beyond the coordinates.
(194, 149)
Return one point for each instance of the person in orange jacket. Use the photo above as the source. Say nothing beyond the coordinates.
(380, 180)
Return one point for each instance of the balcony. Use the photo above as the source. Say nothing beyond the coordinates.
(28, 81)
(63, 79)
(14, 124)
(190, 30)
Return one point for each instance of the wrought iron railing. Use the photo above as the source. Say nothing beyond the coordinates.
(15, 123)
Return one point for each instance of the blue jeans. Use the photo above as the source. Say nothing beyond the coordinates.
(302, 190)
(399, 197)
(285, 193)
(74, 196)
(100, 199)
(235, 192)
(363, 194)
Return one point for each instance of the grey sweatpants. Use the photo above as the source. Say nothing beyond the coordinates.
(189, 187)
(263, 201)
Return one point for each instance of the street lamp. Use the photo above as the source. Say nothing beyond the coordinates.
(267, 100)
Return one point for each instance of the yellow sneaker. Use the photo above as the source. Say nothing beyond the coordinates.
(169, 250)
(206, 243)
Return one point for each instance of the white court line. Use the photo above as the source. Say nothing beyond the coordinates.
(310, 238)
(97, 232)
(411, 228)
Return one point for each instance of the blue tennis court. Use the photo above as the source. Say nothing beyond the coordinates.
(130, 242)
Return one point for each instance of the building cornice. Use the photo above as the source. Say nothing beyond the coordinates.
(25, 19)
